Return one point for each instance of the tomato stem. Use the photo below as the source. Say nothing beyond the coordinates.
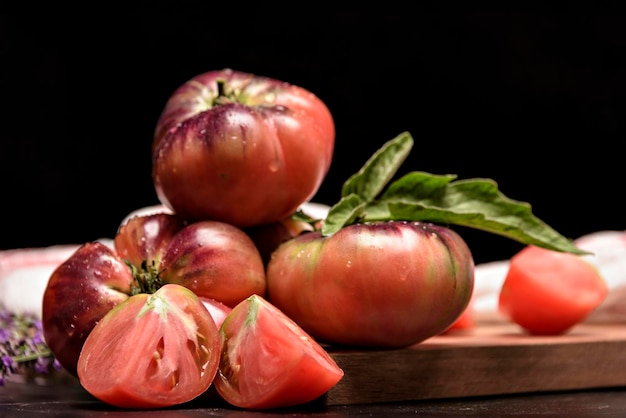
(222, 96)
(146, 279)
(220, 87)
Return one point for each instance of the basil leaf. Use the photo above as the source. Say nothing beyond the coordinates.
(345, 212)
(370, 180)
(420, 196)
(474, 203)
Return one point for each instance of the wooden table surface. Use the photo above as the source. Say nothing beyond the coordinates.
(19, 400)
(493, 370)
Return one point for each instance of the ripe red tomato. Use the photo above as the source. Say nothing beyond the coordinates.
(217, 309)
(381, 284)
(240, 148)
(464, 322)
(270, 362)
(151, 351)
(79, 293)
(269, 236)
(215, 260)
(548, 292)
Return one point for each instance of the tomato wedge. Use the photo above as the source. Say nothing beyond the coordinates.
(151, 351)
(270, 362)
(547, 292)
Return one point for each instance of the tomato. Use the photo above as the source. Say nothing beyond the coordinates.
(548, 292)
(269, 236)
(151, 351)
(228, 137)
(79, 293)
(380, 284)
(464, 322)
(215, 260)
(217, 309)
(268, 361)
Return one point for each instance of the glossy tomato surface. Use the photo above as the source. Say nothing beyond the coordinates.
(151, 351)
(548, 292)
(79, 293)
(215, 260)
(464, 322)
(382, 284)
(268, 361)
(239, 148)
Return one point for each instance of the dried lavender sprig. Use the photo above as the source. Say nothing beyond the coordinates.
(22, 346)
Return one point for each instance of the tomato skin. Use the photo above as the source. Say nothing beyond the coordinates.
(146, 238)
(269, 236)
(382, 284)
(548, 292)
(464, 322)
(268, 361)
(79, 293)
(217, 309)
(215, 260)
(269, 145)
(151, 351)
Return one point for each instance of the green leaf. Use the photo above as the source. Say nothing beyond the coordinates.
(300, 216)
(343, 213)
(474, 203)
(419, 184)
(420, 196)
(379, 169)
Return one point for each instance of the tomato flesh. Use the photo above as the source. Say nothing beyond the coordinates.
(270, 362)
(548, 292)
(151, 351)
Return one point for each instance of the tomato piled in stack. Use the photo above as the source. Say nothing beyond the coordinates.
(236, 288)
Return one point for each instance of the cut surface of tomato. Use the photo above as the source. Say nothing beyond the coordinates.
(151, 351)
(268, 361)
(548, 292)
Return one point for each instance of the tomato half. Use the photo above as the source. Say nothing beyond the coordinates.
(151, 351)
(548, 292)
(270, 362)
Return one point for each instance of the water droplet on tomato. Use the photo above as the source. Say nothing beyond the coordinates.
(349, 264)
(274, 166)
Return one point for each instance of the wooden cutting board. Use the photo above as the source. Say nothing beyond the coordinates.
(492, 359)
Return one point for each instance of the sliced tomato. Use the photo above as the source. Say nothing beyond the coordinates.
(151, 351)
(548, 292)
(268, 361)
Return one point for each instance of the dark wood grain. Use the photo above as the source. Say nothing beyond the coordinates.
(491, 360)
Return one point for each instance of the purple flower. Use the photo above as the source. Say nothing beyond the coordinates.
(37, 339)
(22, 345)
(42, 364)
(8, 363)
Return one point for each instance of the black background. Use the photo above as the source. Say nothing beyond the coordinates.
(533, 101)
